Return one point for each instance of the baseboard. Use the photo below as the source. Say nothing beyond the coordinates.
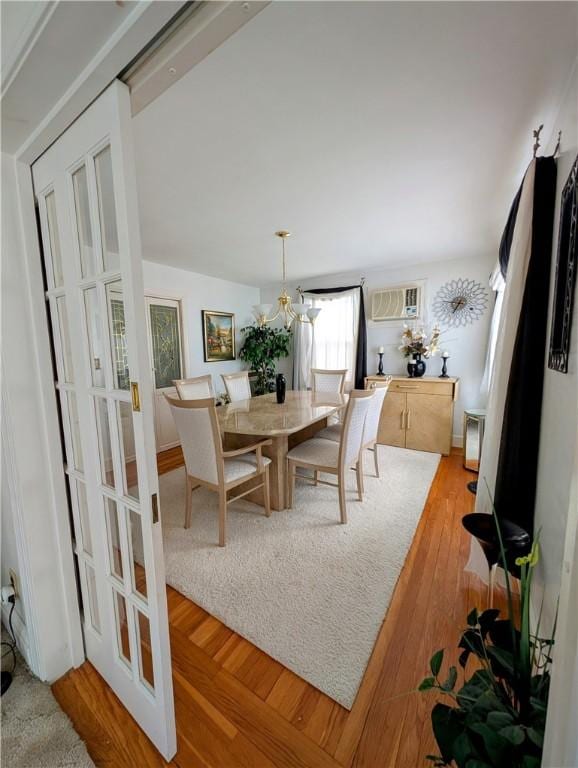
(20, 630)
(457, 441)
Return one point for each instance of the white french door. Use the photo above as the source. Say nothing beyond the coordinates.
(85, 188)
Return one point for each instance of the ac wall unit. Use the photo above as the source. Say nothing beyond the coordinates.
(402, 302)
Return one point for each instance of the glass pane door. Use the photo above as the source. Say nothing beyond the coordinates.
(86, 197)
(165, 337)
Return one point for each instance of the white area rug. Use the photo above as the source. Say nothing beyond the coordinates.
(306, 590)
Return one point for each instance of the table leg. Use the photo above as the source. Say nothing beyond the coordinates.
(277, 452)
(277, 470)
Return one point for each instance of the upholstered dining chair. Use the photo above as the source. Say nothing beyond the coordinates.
(333, 431)
(328, 380)
(195, 388)
(207, 464)
(335, 458)
(237, 385)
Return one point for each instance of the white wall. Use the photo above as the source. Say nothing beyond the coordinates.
(198, 292)
(467, 346)
(9, 553)
(560, 402)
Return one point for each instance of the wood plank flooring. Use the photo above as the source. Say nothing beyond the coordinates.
(237, 707)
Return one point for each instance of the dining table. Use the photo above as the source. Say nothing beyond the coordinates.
(286, 424)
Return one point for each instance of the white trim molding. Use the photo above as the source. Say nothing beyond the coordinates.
(561, 738)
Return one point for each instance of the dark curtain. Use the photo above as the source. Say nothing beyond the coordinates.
(515, 492)
(361, 352)
(508, 234)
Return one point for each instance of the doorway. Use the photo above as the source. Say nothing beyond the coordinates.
(166, 349)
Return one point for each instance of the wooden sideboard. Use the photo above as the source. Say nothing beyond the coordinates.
(417, 413)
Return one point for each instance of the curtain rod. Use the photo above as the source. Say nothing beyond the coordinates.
(305, 290)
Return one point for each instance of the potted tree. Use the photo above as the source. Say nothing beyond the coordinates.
(262, 347)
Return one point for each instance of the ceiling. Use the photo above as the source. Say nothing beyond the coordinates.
(47, 48)
(378, 133)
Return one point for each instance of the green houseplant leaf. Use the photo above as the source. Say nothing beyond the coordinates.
(436, 662)
(498, 717)
(262, 347)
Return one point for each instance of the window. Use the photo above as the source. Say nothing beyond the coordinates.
(497, 284)
(334, 340)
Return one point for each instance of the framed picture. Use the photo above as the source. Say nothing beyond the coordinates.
(218, 336)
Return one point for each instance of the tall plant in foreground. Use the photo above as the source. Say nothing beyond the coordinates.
(262, 347)
(498, 717)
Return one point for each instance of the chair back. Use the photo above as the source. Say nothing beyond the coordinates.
(199, 387)
(354, 425)
(374, 412)
(328, 381)
(237, 385)
(198, 427)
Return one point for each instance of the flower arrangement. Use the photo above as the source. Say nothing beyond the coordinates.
(416, 342)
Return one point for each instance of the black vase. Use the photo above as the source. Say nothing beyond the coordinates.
(418, 367)
(280, 387)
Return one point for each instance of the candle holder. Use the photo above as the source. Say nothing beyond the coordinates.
(380, 365)
(444, 373)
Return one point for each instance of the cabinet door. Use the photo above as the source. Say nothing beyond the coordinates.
(429, 423)
(391, 425)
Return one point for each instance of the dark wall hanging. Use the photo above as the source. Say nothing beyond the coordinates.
(566, 268)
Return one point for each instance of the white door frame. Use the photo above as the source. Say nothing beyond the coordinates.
(49, 655)
(561, 737)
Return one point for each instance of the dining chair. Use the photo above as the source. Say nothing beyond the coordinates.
(195, 388)
(334, 458)
(237, 385)
(333, 432)
(328, 380)
(207, 464)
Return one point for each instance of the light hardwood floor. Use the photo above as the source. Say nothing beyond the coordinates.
(236, 706)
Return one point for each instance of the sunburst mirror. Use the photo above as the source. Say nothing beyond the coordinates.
(460, 302)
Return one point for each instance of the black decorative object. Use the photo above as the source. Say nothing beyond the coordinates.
(517, 542)
(566, 268)
(444, 373)
(380, 365)
(280, 387)
(418, 367)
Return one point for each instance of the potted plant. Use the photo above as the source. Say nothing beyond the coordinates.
(497, 717)
(415, 344)
(262, 347)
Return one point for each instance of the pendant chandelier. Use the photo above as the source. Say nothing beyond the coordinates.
(286, 310)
